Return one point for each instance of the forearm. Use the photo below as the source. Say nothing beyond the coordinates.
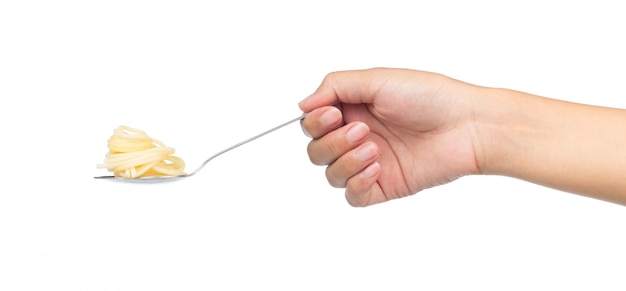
(573, 147)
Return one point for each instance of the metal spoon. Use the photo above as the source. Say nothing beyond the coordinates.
(160, 179)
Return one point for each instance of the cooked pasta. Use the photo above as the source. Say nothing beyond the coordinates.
(133, 154)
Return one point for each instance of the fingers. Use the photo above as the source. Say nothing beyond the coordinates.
(351, 158)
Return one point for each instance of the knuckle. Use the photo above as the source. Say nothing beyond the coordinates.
(330, 77)
(355, 200)
(313, 153)
(323, 151)
(309, 128)
(328, 148)
(334, 179)
(335, 148)
(305, 127)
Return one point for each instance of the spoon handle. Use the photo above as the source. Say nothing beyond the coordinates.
(248, 140)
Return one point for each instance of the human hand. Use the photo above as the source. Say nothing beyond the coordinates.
(389, 133)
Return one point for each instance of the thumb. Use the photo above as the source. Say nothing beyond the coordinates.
(352, 87)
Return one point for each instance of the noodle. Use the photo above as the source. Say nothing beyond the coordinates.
(133, 154)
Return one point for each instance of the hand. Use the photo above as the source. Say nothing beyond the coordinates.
(389, 133)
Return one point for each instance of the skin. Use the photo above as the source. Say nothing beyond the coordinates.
(389, 133)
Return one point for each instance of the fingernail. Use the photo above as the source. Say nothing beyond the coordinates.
(371, 170)
(366, 153)
(357, 133)
(330, 117)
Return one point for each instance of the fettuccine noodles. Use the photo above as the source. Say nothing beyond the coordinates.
(133, 154)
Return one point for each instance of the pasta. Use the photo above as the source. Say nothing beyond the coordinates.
(133, 154)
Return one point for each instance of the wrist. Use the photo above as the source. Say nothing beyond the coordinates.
(505, 123)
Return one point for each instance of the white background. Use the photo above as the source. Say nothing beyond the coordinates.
(201, 76)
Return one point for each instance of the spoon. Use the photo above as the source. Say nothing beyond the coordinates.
(161, 179)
